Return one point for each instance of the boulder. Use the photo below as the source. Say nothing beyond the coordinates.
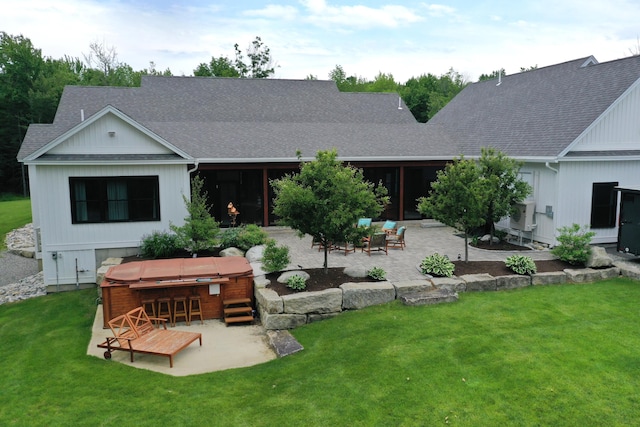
(254, 254)
(268, 300)
(435, 296)
(231, 252)
(584, 275)
(283, 343)
(450, 283)
(512, 281)
(326, 301)
(356, 271)
(282, 321)
(599, 258)
(412, 287)
(550, 278)
(365, 294)
(479, 282)
(285, 276)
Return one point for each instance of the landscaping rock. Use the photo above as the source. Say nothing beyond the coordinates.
(599, 258)
(255, 254)
(356, 271)
(455, 284)
(260, 281)
(584, 275)
(360, 295)
(487, 237)
(550, 278)
(435, 296)
(412, 287)
(283, 343)
(231, 252)
(285, 276)
(512, 281)
(268, 300)
(281, 321)
(318, 317)
(327, 301)
(479, 282)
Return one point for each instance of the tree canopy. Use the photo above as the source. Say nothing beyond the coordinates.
(258, 65)
(326, 198)
(468, 194)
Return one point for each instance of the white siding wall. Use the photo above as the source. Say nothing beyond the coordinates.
(576, 186)
(543, 181)
(53, 212)
(95, 139)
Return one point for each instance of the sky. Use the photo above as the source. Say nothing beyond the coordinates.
(310, 37)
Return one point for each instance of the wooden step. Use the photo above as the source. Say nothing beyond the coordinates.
(237, 310)
(236, 301)
(237, 319)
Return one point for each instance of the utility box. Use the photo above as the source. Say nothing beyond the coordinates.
(523, 218)
(629, 224)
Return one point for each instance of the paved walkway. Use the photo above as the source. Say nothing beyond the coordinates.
(423, 238)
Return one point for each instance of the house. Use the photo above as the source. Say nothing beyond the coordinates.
(115, 163)
(576, 127)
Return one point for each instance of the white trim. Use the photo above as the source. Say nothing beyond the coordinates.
(109, 109)
(103, 162)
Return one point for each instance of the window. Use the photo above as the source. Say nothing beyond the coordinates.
(603, 205)
(114, 199)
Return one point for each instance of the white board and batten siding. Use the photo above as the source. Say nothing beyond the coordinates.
(576, 188)
(109, 135)
(59, 235)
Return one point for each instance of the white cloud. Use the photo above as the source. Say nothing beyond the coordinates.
(358, 16)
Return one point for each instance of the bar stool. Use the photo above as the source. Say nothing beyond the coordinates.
(149, 304)
(164, 308)
(180, 309)
(195, 308)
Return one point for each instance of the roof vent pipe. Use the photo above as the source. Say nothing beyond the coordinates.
(399, 103)
(499, 77)
(81, 115)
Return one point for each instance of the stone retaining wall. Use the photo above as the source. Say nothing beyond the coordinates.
(290, 311)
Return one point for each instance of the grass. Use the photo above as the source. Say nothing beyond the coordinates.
(15, 212)
(546, 355)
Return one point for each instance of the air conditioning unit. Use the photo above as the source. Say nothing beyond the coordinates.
(522, 218)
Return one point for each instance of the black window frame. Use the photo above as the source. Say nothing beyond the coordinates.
(114, 199)
(604, 204)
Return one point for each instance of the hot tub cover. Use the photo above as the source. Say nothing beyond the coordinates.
(178, 269)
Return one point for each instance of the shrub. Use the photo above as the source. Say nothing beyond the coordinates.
(521, 264)
(297, 283)
(244, 237)
(437, 265)
(275, 258)
(574, 246)
(159, 244)
(377, 273)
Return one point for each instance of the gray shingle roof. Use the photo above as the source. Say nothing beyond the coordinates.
(536, 113)
(211, 118)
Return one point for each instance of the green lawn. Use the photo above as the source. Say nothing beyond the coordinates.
(14, 213)
(547, 355)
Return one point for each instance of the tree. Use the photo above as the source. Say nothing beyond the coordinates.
(217, 67)
(492, 75)
(20, 66)
(457, 198)
(260, 65)
(427, 94)
(503, 185)
(326, 198)
(200, 228)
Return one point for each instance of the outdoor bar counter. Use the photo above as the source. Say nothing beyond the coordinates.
(214, 279)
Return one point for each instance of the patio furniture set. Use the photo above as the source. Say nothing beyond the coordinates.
(388, 236)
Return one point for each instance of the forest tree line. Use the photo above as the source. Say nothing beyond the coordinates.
(31, 86)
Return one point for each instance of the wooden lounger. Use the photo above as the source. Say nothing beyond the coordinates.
(134, 332)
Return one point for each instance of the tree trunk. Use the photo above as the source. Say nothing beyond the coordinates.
(466, 247)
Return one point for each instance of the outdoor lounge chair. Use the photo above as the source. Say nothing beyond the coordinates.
(397, 240)
(364, 222)
(389, 227)
(377, 242)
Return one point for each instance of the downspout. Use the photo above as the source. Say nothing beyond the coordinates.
(550, 168)
(195, 168)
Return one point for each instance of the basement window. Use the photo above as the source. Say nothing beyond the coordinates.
(114, 199)
(604, 205)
